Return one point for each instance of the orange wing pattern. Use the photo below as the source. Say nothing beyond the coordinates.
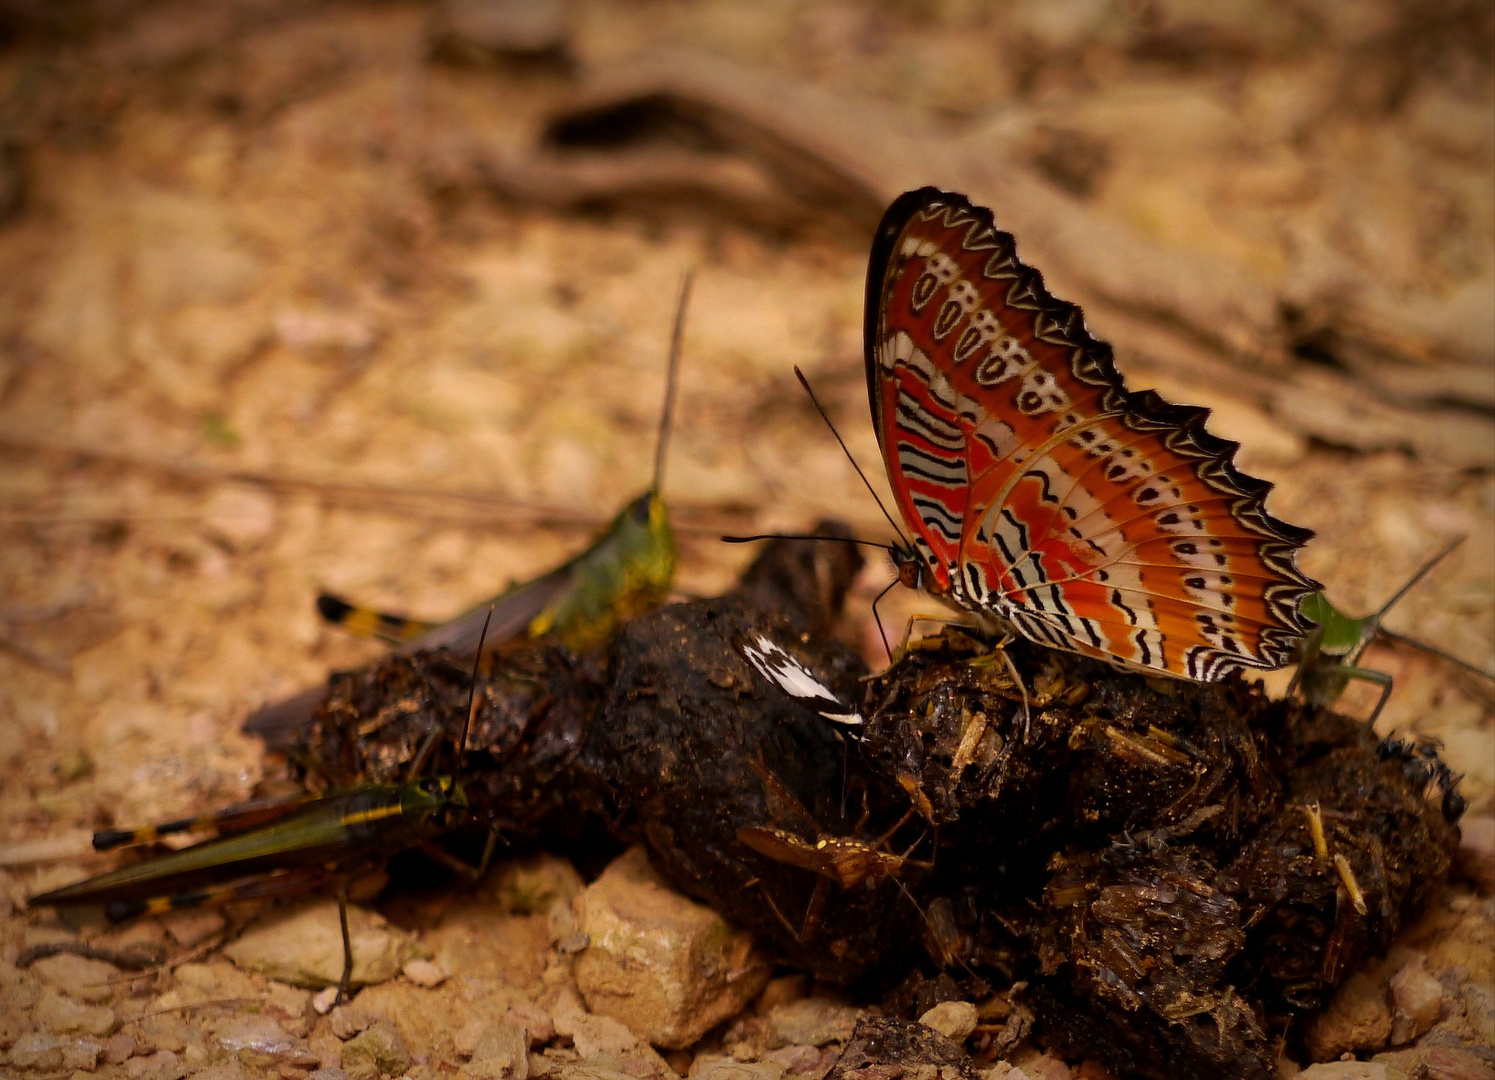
(1040, 490)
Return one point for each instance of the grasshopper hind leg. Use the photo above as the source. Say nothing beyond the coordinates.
(342, 919)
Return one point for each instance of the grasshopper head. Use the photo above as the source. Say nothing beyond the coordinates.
(434, 803)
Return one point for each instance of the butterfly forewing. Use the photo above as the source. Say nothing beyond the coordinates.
(1039, 489)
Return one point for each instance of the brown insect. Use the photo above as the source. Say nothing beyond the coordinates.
(842, 860)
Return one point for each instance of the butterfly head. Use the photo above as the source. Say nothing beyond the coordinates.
(910, 566)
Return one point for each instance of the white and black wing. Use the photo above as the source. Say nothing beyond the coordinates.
(781, 669)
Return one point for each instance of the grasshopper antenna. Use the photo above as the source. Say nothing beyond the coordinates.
(800, 375)
(472, 690)
(1413, 580)
(661, 441)
(1433, 650)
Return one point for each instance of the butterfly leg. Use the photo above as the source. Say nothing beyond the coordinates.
(1017, 679)
(941, 619)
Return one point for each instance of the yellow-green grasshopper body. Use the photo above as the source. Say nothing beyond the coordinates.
(626, 571)
(1329, 657)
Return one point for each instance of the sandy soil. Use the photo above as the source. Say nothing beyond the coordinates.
(249, 349)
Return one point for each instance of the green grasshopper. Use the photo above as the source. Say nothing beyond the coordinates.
(279, 847)
(311, 842)
(1329, 657)
(625, 572)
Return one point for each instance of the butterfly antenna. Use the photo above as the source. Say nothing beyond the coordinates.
(800, 375)
(472, 689)
(804, 536)
(1413, 580)
(662, 440)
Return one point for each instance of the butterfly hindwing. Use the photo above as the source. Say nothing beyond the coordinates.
(1040, 490)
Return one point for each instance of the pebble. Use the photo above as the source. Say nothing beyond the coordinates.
(718, 1067)
(322, 1002)
(1044, 1067)
(501, 1053)
(810, 1022)
(1417, 1002)
(118, 1048)
(1357, 1019)
(532, 886)
(348, 1020)
(193, 926)
(305, 948)
(781, 991)
(668, 968)
(795, 1059)
(1003, 1070)
(257, 1040)
(380, 1046)
(61, 1015)
(37, 1050)
(77, 976)
(952, 1019)
(425, 973)
(538, 1025)
(602, 1036)
(162, 1065)
(1346, 1070)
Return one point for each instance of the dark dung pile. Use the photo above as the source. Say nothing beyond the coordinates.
(1158, 874)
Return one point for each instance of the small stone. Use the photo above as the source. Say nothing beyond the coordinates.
(257, 1041)
(1046, 1067)
(1003, 1070)
(531, 886)
(717, 1067)
(1346, 1070)
(81, 1054)
(538, 1025)
(781, 991)
(349, 1020)
(60, 1015)
(425, 973)
(162, 1065)
(953, 1019)
(668, 968)
(465, 1041)
(78, 977)
(794, 1059)
(216, 980)
(323, 1001)
(1357, 1019)
(193, 926)
(810, 1022)
(118, 1048)
(502, 1052)
(224, 1070)
(1417, 1002)
(379, 1045)
(305, 948)
(328, 1074)
(37, 1050)
(602, 1036)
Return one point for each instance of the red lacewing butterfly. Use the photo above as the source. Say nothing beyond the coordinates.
(1042, 494)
